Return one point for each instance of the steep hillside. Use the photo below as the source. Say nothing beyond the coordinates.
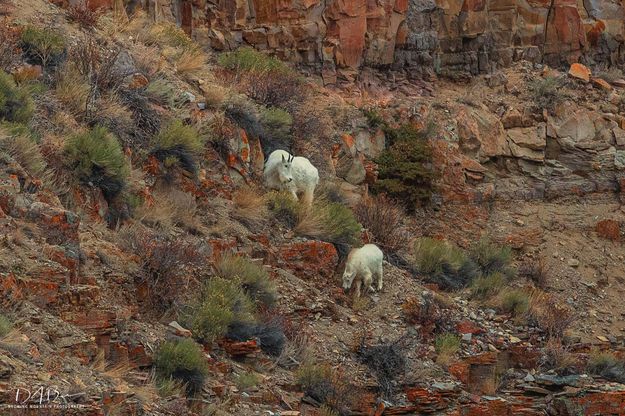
(146, 269)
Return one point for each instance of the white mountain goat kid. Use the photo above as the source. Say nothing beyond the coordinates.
(294, 174)
(365, 265)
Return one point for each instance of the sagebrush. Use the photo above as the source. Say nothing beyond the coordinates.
(97, 159)
(184, 361)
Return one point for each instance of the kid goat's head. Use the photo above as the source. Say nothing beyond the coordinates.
(284, 169)
(348, 277)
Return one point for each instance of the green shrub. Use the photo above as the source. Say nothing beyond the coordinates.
(222, 303)
(249, 59)
(515, 302)
(170, 387)
(444, 264)
(276, 124)
(405, 168)
(374, 119)
(330, 221)
(96, 158)
(16, 129)
(326, 410)
(547, 92)
(447, 343)
(184, 361)
(265, 79)
(492, 258)
(253, 278)
(446, 346)
(162, 91)
(168, 34)
(15, 140)
(5, 325)
(16, 105)
(433, 254)
(178, 143)
(606, 365)
(484, 287)
(246, 381)
(315, 380)
(43, 46)
(284, 207)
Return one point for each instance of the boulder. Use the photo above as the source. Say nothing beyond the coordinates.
(348, 161)
(580, 71)
(528, 143)
(481, 134)
(601, 84)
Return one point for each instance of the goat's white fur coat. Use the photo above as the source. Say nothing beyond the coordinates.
(294, 174)
(364, 265)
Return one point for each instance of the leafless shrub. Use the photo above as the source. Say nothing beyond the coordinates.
(274, 89)
(97, 64)
(298, 349)
(557, 357)
(10, 54)
(147, 59)
(147, 118)
(386, 361)
(548, 314)
(431, 314)
(167, 267)
(83, 15)
(383, 218)
(536, 270)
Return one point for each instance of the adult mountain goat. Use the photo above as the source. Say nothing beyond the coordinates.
(294, 174)
(364, 264)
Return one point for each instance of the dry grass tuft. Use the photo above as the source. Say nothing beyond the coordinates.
(215, 95)
(190, 61)
(250, 206)
(73, 89)
(171, 208)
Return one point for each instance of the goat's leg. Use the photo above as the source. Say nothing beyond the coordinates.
(357, 290)
(378, 277)
(368, 281)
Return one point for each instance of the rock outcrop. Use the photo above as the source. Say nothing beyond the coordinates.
(422, 36)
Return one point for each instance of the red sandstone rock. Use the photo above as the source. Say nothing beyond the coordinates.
(468, 327)
(601, 84)
(239, 349)
(138, 81)
(580, 71)
(609, 229)
(309, 258)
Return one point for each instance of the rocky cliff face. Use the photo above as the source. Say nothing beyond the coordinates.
(420, 36)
